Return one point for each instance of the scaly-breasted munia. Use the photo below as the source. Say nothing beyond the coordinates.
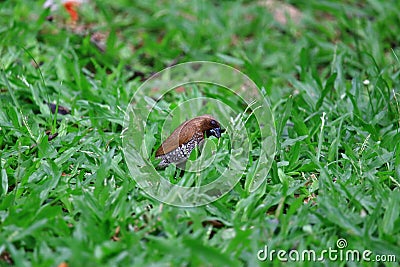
(178, 146)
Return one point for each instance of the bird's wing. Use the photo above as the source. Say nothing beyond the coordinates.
(179, 136)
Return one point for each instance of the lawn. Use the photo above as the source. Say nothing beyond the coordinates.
(329, 72)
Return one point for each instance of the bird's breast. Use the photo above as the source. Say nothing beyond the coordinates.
(180, 153)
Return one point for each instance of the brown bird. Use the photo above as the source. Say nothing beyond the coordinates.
(178, 146)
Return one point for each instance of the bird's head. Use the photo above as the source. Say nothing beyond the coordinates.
(211, 127)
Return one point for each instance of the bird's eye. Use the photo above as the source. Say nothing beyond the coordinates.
(213, 122)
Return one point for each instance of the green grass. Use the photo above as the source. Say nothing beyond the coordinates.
(336, 174)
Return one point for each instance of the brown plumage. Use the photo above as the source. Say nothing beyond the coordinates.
(178, 146)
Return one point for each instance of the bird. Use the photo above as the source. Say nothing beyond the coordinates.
(190, 134)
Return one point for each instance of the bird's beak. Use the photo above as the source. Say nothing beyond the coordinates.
(216, 132)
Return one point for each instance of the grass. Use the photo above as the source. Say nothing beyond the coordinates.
(332, 79)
